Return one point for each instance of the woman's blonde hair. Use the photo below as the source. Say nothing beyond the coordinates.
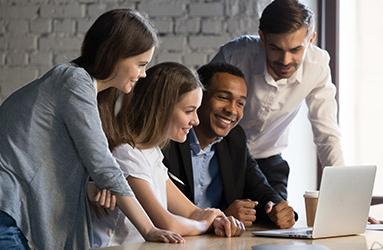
(145, 112)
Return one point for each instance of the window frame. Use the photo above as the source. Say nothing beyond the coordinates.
(328, 39)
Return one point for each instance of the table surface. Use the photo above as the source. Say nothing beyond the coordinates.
(247, 241)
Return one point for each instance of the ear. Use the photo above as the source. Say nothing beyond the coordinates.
(262, 36)
(313, 38)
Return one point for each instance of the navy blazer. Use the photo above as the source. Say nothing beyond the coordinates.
(241, 176)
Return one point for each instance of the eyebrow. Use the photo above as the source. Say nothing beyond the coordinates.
(230, 93)
(297, 47)
(190, 106)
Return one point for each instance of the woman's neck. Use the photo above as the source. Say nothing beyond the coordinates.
(102, 85)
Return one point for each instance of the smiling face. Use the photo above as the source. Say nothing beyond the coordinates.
(284, 52)
(184, 115)
(222, 107)
(127, 72)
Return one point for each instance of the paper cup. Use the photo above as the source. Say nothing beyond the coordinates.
(311, 201)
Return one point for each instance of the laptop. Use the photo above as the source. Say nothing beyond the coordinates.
(343, 205)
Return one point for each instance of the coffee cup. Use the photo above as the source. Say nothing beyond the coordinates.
(311, 201)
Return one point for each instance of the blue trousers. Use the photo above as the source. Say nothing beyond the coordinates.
(11, 236)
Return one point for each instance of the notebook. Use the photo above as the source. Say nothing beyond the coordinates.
(343, 204)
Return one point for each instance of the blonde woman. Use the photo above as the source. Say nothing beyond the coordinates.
(162, 106)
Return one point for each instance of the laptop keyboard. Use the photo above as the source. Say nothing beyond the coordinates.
(307, 232)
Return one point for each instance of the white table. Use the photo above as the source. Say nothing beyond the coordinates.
(246, 241)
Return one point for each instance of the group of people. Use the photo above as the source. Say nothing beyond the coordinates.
(164, 145)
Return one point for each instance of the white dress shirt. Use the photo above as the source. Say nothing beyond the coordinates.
(272, 105)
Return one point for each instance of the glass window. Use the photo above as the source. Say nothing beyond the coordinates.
(361, 83)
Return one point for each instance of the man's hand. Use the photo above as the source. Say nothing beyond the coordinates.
(281, 214)
(243, 210)
(228, 226)
(374, 221)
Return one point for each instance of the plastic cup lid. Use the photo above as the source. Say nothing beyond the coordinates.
(312, 194)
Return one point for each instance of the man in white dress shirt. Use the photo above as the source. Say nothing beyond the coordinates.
(283, 68)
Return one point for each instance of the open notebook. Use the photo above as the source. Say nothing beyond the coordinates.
(343, 204)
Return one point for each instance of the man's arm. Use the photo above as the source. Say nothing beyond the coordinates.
(272, 207)
(219, 57)
(256, 185)
(322, 107)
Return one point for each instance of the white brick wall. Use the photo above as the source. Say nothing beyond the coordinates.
(214, 26)
(41, 26)
(17, 59)
(188, 25)
(36, 34)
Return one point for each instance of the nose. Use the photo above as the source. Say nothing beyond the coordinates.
(286, 58)
(142, 73)
(195, 120)
(231, 107)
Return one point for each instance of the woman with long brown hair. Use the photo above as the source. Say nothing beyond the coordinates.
(51, 141)
(162, 106)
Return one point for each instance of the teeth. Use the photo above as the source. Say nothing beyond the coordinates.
(224, 120)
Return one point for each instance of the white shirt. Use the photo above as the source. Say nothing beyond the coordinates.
(272, 105)
(146, 164)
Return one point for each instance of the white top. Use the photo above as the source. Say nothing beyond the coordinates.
(146, 164)
(272, 105)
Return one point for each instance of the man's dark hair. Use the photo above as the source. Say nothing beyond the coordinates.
(286, 16)
(207, 71)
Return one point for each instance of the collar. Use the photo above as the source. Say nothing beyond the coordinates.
(296, 78)
(195, 145)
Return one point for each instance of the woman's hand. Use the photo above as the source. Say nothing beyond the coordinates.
(159, 235)
(206, 214)
(228, 226)
(103, 198)
(102, 201)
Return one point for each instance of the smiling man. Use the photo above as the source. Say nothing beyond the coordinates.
(213, 167)
(283, 68)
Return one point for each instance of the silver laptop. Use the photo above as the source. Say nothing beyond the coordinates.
(343, 205)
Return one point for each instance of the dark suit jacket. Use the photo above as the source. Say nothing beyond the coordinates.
(241, 176)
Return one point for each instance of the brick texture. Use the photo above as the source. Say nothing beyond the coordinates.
(36, 34)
